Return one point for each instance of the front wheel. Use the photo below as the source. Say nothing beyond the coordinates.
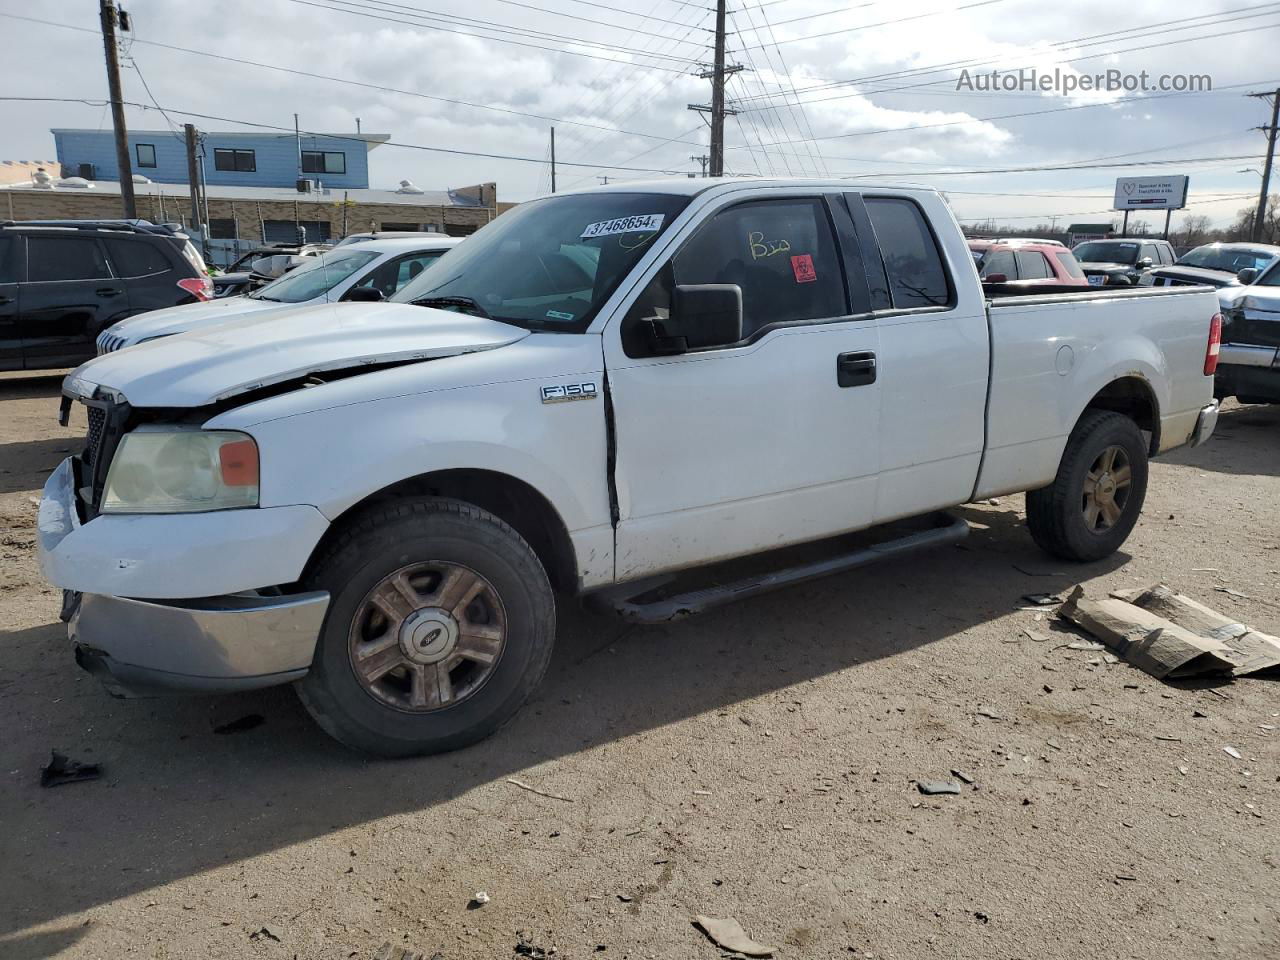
(1093, 503)
(441, 623)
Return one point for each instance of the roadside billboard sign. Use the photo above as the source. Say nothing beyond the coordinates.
(1151, 193)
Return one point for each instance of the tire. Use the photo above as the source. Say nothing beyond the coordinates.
(422, 552)
(1061, 517)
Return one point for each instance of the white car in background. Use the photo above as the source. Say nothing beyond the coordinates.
(375, 268)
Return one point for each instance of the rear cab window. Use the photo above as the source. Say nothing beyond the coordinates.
(912, 260)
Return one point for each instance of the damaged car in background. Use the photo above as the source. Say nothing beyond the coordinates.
(610, 393)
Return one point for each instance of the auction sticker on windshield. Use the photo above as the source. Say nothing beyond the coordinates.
(605, 228)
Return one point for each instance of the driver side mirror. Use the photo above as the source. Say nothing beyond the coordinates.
(1247, 275)
(363, 295)
(702, 315)
(1145, 263)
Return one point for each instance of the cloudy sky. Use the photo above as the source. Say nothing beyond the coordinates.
(866, 88)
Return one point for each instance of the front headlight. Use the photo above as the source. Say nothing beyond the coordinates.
(171, 470)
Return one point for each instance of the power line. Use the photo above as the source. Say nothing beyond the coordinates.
(438, 16)
(355, 8)
(1150, 29)
(348, 81)
(598, 166)
(885, 23)
(1003, 116)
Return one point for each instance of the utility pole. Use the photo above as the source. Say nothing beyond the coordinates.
(1260, 217)
(702, 160)
(604, 181)
(193, 178)
(553, 159)
(717, 109)
(108, 15)
(297, 134)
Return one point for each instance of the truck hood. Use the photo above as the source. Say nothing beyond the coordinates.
(162, 323)
(208, 365)
(1213, 278)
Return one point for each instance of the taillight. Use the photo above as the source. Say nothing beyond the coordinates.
(1215, 344)
(199, 287)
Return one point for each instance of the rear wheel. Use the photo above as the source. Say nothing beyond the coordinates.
(441, 622)
(1093, 503)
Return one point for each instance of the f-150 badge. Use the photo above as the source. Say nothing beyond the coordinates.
(562, 392)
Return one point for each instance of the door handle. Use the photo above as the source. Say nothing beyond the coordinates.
(856, 369)
(108, 292)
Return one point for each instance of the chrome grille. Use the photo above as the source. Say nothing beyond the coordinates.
(107, 343)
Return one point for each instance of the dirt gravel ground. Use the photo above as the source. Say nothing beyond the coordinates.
(756, 762)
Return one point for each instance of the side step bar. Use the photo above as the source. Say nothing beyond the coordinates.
(664, 609)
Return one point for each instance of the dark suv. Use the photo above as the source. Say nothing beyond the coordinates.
(63, 282)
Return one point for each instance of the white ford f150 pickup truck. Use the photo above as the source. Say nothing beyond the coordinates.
(597, 391)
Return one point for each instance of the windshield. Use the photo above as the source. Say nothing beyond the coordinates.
(1102, 251)
(550, 264)
(315, 277)
(1228, 259)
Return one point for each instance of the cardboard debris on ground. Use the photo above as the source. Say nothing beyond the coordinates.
(729, 935)
(1169, 635)
(1260, 650)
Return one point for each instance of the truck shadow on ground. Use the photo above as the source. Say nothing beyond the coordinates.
(177, 799)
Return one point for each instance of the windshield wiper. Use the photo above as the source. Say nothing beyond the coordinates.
(452, 302)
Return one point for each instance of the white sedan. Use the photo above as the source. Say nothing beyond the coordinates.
(383, 266)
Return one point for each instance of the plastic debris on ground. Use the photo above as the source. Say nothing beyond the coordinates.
(1170, 635)
(61, 770)
(932, 788)
(729, 935)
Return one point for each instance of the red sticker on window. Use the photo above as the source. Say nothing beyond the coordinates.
(802, 267)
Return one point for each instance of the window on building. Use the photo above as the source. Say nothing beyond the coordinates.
(65, 258)
(146, 153)
(135, 258)
(323, 161)
(461, 229)
(286, 231)
(392, 225)
(222, 228)
(239, 161)
(916, 275)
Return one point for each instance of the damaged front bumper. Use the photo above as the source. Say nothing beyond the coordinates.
(211, 645)
(167, 603)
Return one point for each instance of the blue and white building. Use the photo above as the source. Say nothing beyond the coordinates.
(333, 161)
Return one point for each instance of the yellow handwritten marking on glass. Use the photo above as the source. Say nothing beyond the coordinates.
(636, 244)
(761, 248)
